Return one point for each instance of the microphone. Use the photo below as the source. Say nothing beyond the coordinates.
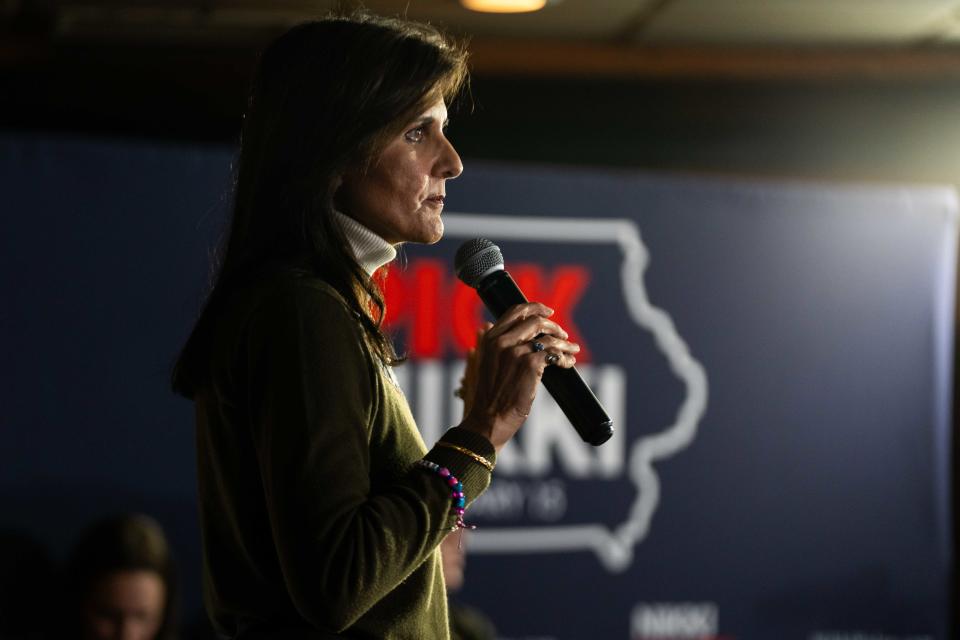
(479, 264)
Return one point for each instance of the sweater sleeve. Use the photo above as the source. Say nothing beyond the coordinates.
(311, 387)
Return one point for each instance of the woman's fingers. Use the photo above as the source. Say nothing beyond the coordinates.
(524, 331)
(526, 309)
(554, 351)
(468, 384)
(518, 313)
(562, 360)
(555, 344)
(504, 373)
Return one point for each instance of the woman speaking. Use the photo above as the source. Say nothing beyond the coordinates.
(321, 507)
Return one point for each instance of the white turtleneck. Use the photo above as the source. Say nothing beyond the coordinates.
(370, 250)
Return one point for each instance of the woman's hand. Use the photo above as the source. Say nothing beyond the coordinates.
(504, 371)
(468, 383)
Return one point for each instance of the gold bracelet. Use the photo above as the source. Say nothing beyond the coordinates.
(474, 456)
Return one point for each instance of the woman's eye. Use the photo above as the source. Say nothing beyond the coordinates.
(414, 135)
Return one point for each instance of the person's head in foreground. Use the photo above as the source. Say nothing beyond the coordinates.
(120, 581)
(346, 119)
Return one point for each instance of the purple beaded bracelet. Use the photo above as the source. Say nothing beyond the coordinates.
(457, 495)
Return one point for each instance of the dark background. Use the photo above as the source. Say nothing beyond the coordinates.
(814, 496)
(175, 109)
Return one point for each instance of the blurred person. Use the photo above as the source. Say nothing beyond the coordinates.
(321, 507)
(120, 582)
(466, 622)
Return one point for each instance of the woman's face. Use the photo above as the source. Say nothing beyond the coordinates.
(400, 198)
(124, 605)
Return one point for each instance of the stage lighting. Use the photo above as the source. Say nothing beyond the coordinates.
(504, 6)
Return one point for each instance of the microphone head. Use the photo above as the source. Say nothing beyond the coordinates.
(476, 259)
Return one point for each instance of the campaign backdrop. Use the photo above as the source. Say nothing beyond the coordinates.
(776, 357)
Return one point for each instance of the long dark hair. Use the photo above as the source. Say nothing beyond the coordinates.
(327, 95)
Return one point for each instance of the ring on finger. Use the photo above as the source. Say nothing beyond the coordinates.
(553, 358)
(537, 346)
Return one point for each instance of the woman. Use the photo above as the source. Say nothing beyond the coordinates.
(120, 582)
(321, 507)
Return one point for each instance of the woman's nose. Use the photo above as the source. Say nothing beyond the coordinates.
(448, 164)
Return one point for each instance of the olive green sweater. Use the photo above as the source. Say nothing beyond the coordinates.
(313, 512)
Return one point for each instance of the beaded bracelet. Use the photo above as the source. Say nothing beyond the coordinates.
(459, 499)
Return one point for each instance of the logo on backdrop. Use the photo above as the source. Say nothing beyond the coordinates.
(675, 621)
(545, 490)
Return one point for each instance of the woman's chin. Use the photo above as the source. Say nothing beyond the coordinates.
(432, 234)
(438, 235)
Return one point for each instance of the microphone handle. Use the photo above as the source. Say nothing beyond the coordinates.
(577, 401)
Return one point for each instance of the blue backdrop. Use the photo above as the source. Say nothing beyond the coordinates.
(777, 357)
